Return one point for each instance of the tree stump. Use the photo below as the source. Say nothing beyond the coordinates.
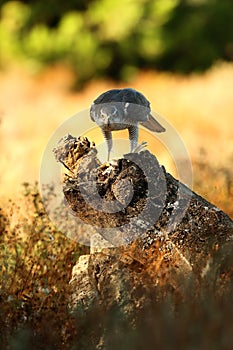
(159, 229)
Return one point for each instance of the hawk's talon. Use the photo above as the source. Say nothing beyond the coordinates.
(140, 147)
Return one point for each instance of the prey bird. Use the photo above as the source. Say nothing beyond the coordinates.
(119, 109)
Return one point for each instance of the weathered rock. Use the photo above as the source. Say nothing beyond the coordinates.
(162, 231)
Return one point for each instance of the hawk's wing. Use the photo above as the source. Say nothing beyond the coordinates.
(136, 113)
(113, 95)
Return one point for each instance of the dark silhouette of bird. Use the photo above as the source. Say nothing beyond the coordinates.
(119, 109)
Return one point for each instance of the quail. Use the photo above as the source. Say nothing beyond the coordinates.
(119, 109)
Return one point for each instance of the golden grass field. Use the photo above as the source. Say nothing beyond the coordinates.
(200, 107)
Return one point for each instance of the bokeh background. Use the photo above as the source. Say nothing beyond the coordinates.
(57, 57)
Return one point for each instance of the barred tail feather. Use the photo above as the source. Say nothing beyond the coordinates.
(152, 124)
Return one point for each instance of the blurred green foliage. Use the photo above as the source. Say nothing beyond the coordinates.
(115, 38)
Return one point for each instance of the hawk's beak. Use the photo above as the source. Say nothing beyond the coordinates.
(105, 118)
(107, 113)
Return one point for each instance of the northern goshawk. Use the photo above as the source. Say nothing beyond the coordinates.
(119, 109)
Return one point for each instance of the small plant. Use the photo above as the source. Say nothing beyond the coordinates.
(36, 263)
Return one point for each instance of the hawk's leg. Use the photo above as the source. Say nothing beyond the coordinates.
(108, 138)
(133, 137)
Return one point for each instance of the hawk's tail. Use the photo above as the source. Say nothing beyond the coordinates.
(152, 124)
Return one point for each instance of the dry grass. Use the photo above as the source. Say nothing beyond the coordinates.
(34, 293)
(36, 263)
